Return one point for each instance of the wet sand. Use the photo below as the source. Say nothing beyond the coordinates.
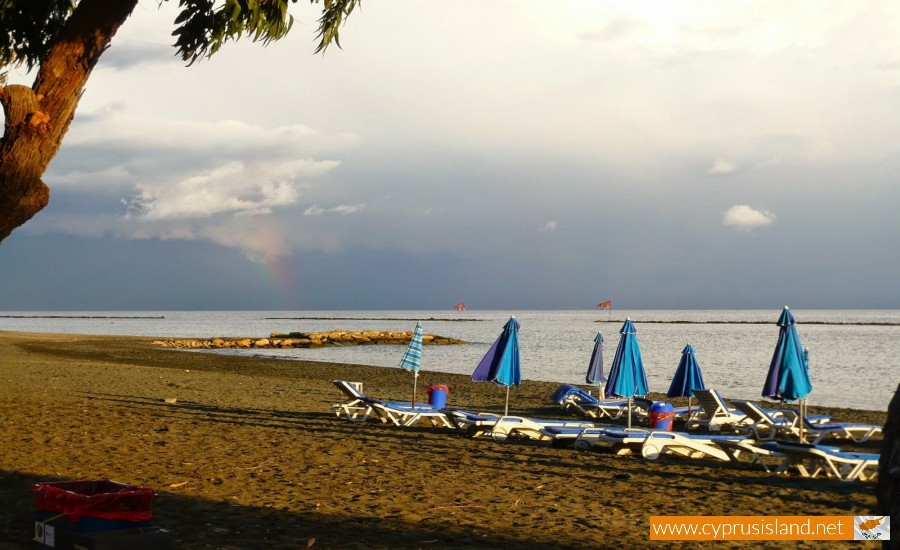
(249, 455)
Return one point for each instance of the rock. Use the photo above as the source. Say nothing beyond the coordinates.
(311, 340)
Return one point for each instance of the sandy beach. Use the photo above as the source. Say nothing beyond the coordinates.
(245, 453)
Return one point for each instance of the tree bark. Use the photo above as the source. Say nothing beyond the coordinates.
(889, 470)
(38, 118)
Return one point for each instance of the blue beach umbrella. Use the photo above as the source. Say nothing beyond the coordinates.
(594, 374)
(626, 373)
(687, 376)
(412, 358)
(788, 376)
(501, 364)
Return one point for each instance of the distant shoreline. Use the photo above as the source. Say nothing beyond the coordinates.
(684, 322)
(458, 320)
(82, 317)
(366, 319)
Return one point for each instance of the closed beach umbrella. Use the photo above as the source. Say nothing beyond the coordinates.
(626, 373)
(501, 364)
(788, 377)
(594, 374)
(687, 376)
(413, 357)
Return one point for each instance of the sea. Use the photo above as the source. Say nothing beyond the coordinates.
(854, 355)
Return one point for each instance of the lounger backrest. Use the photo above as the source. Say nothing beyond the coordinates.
(349, 389)
(561, 392)
(578, 395)
(753, 411)
(711, 402)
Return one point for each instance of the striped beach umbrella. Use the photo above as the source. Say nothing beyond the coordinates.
(501, 364)
(413, 357)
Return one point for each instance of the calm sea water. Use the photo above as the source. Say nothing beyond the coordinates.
(855, 364)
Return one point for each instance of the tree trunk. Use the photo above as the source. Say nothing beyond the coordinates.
(889, 470)
(38, 118)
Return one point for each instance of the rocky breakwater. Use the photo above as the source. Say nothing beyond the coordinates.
(309, 340)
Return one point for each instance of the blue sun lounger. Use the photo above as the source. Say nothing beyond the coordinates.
(359, 407)
(813, 460)
(855, 431)
(404, 414)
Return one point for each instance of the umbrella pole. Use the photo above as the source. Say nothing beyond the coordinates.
(802, 416)
(629, 413)
(689, 412)
(506, 407)
(415, 380)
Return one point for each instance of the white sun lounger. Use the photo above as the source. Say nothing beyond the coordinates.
(534, 428)
(653, 443)
(359, 407)
(855, 431)
(714, 414)
(688, 445)
(621, 440)
(583, 403)
(814, 460)
(407, 415)
(474, 424)
(735, 449)
(763, 425)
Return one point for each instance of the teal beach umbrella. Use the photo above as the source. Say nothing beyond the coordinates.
(626, 373)
(788, 375)
(687, 376)
(594, 374)
(501, 364)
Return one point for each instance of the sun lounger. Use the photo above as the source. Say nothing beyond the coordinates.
(766, 426)
(407, 415)
(474, 424)
(737, 448)
(763, 425)
(359, 407)
(684, 444)
(813, 460)
(589, 406)
(621, 440)
(653, 443)
(533, 428)
(563, 391)
(857, 432)
(714, 414)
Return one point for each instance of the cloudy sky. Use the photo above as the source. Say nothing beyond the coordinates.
(509, 154)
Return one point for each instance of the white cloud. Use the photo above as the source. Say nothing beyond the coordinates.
(721, 167)
(233, 188)
(550, 227)
(186, 169)
(316, 210)
(745, 217)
